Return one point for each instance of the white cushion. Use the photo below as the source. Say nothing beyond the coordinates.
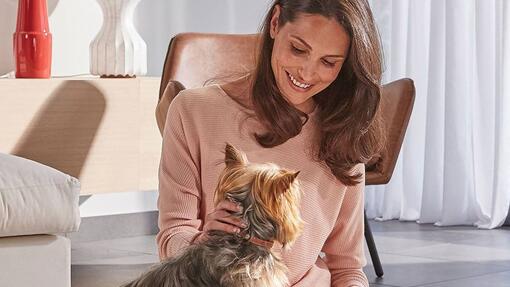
(36, 199)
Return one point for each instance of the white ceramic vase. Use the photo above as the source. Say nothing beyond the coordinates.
(118, 50)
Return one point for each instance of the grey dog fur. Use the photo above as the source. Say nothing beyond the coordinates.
(217, 261)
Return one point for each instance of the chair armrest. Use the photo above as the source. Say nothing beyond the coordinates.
(171, 90)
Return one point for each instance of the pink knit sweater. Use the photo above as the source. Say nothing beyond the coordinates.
(198, 124)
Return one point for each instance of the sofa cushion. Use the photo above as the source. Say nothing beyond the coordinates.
(37, 260)
(36, 199)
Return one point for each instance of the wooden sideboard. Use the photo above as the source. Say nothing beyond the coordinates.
(101, 131)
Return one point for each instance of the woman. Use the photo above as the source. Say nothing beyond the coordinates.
(310, 105)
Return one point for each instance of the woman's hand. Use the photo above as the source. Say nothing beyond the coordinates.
(221, 218)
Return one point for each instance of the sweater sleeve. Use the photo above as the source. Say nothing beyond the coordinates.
(179, 186)
(344, 254)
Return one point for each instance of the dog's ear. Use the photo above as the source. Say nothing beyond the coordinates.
(286, 180)
(285, 208)
(234, 157)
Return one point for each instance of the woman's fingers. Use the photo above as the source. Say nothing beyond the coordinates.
(216, 214)
(222, 219)
(238, 222)
(225, 217)
(218, 225)
(229, 206)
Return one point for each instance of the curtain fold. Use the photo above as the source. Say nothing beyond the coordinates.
(454, 166)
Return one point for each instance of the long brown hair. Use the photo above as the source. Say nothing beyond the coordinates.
(349, 131)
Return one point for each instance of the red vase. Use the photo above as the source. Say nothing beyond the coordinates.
(32, 40)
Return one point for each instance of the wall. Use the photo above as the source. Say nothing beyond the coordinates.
(158, 20)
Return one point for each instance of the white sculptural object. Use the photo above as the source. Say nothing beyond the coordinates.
(118, 50)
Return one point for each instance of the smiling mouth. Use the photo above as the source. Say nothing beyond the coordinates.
(296, 84)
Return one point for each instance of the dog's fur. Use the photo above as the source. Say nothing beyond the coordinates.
(270, 197)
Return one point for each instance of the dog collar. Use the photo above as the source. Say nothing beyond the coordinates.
(262, 243)
(257, 241)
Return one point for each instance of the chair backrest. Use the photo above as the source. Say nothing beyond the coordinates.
(194, 58)
(397, 102)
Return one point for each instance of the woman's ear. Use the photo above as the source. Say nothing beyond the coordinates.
(274, 21)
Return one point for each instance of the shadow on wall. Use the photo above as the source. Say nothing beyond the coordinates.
(8, 14)
(62, 132)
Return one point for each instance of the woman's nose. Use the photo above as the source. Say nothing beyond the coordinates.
(307, 72)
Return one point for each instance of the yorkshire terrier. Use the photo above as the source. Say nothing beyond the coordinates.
(270, 198)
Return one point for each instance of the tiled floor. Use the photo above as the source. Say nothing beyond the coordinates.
(412, 255)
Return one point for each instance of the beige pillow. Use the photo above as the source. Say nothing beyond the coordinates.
(36, 199)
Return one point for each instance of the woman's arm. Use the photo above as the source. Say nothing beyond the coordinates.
(344, 246)
(179, 186)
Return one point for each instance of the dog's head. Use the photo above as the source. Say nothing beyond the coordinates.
(269, 195)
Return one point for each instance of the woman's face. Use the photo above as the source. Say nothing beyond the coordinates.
(308, 54)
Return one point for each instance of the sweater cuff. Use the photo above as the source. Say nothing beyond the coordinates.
(352, 283)
(354, 280)
(195, 237)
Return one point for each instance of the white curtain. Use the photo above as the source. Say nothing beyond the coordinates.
(454, 166)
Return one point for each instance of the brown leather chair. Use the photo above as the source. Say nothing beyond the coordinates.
(194, 58)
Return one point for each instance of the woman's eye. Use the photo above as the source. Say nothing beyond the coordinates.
(329, 64)
(297, 51)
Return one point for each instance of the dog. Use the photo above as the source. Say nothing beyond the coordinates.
(270, 199)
